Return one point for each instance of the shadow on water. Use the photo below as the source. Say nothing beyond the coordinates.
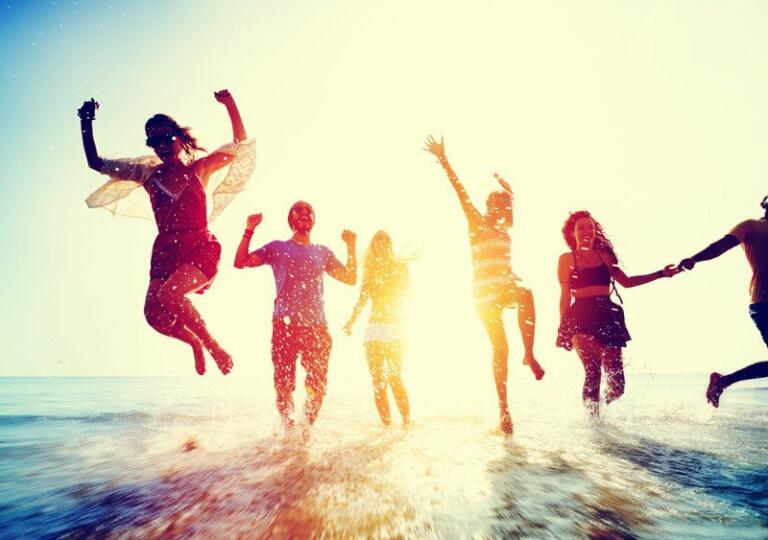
(738, 484)
(555, 497)
(275, 489)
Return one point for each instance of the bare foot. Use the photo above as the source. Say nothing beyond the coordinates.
(505, 423)
(197, 350)
(287, 422)
(715, 389)
(222, 359)
(536, 368)
(593, 407)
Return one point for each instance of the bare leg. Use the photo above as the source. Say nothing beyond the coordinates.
(494, 325)
(526, 321)
(614, 373)
(375, 356)
(718, 383)
(172, 297)
(395, 364)
(165, 323)
(589, 351)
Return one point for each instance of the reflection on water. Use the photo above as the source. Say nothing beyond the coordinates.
(168, 457)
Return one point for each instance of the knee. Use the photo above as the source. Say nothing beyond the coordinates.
(500, 352)
(157, 317)
(526, 297)
(378, 378)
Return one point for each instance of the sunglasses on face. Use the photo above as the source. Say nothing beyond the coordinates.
(157, 140)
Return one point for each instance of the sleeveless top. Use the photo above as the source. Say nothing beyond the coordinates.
(182, 211)
(589, 276)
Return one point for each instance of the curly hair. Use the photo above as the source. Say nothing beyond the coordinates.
(188, 143)
(764, 206)
(601, 240)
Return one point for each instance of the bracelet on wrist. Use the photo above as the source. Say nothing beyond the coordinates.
(659, 274)
(248, 233)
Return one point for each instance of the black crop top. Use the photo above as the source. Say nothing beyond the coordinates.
(589, 276)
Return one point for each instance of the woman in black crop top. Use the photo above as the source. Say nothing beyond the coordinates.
(593, 324)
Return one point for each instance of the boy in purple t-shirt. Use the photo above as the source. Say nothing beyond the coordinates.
(298, 321)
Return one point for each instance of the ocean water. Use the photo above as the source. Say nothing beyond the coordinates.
(205, 458)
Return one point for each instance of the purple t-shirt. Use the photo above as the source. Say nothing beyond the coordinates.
(298, 271)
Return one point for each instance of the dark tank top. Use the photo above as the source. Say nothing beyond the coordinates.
(589, 276)
(185, 211)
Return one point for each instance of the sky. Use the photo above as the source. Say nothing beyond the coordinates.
(649, 114)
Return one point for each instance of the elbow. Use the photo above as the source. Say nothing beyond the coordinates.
(239, 264)
(352, 278)
(96, 164)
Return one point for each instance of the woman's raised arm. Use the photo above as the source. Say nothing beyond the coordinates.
(87, 114)
(438, 150)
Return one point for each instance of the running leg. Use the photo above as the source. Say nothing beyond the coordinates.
(375, 355)
(165, 323)
(718, 383)
(172, 297)
(614, 373)
(589, 353)
(526, 321)
(394, 367)
(316, 351)
(494, 325)
(284, 354)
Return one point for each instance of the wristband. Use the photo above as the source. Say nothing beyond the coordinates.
(248, 234)
(659, 274)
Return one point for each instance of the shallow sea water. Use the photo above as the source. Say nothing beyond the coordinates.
(205, 458)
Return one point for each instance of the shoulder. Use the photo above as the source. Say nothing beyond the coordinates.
(273, 246)
(742, 230)
(565, 259)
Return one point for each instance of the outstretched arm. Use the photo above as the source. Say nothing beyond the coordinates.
(87, 114)
(361, 301)
(438, 150)
(712, 251)
(347, 273)
(243, 259)
(635, 281)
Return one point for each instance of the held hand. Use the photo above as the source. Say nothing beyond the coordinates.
(224, 97)
(349, 237)
(253, 221)
(88, 110)
(686, 264)
(670, 270)
(433, 147)
(348, 329)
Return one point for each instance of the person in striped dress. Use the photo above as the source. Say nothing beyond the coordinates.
(495, 286)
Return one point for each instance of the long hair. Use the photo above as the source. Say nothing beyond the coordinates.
(601, 240)
(188, 142)
(381, 268)
(764, 206)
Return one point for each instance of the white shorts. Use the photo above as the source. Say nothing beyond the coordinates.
(384, 332)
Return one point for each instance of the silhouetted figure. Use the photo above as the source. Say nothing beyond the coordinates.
(385, 283)
(299, 327)
(185, 254)
(495, 286)
(752, 234)
(593, 324)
